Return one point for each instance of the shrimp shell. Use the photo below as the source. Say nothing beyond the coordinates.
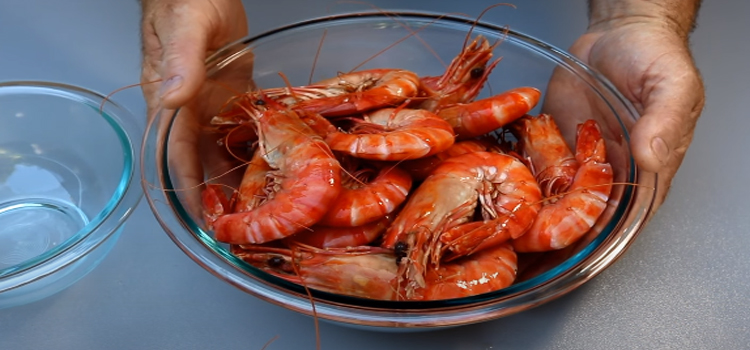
(487, 271)
(341, 237)
(394, 134)
(360, 204)
(366, 90)
(365, 272)
(484, 116)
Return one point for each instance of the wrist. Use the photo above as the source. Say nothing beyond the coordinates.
(677, 16)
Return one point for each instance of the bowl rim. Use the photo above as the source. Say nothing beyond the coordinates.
(118, 207)
(597, 259)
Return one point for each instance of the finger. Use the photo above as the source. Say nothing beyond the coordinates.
(184, 39)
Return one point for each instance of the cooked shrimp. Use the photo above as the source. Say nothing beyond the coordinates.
(448, 198)
(365, 272)
(369, 272)
(422, 167)
(561, 223)
(486, 115)
(553, 163)
(365, 90)
(489, 270)
(308, 175)
(508, 211)
(394, 134)
(362, 201)
(341, 237)
(462, 80)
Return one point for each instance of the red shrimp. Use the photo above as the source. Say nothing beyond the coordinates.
(341, 237)
(553, 163)
(563, 222)
(308, 175)
(484, 116)
(508, 211)
(422, 167)
(365, 272)
(394, 134)
(362, 201)
(487, 271)
(448, 198)
(462, 80)
(361, 91)
(369, 272)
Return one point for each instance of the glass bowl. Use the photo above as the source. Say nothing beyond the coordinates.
(66, 185)
(177, 144)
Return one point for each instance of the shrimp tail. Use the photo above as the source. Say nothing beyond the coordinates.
(590, 144)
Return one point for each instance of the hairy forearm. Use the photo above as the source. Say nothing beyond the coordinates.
(678, 15)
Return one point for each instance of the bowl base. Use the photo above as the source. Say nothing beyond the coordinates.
(49, 285)
(32, 226)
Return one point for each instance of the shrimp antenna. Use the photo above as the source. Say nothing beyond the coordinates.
(109, 96)
(150, 185)
(265, 346)
(228, 147)
(468, 35)
(317, 55)
(403, 25)
(310, 296)
(288, 84)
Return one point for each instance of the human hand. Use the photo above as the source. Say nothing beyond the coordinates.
(643, 50)
(177, 36)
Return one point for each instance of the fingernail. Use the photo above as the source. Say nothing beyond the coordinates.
(660, 149)
(170, 85)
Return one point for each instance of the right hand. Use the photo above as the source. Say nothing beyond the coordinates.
(643, 49)
(177, 36)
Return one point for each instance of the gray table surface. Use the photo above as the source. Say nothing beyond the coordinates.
(684, 284)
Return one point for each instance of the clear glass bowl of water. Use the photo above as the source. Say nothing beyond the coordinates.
(67, 165)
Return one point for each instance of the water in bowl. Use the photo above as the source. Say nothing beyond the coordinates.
(41, 206)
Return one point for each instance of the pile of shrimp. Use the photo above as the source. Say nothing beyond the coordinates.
(384, 184)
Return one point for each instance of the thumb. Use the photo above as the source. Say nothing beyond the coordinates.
(184, 40)
(670, 112)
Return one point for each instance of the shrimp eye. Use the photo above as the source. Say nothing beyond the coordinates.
(477, 73)
(260, 102)
(275, 261)
(400, 250)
